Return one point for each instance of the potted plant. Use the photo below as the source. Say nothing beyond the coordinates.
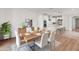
(6, 30)
(1, 36)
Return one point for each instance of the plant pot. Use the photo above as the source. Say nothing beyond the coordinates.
(6, 36)
(1, 37)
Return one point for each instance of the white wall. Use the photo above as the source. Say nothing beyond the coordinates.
(17, 17)
(5, 15)
(73, 23)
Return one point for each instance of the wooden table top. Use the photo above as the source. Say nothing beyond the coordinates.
(31, 36)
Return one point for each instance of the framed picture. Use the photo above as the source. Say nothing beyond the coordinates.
(28, 22)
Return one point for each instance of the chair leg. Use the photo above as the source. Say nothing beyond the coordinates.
(32, 46)
(52, 46)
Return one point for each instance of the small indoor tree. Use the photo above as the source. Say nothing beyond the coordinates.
(6, 29)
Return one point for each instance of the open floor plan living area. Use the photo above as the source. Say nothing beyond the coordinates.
(39, 29)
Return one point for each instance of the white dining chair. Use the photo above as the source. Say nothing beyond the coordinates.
(20, 45)
(41, 42)
(51, 40)
(17, 39)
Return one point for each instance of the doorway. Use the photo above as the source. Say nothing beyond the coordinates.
(76, 24)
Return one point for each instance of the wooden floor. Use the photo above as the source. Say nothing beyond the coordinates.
(7, 41)
(77, 30)
(68, 43)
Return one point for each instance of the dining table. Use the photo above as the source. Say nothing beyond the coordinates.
(28, 37)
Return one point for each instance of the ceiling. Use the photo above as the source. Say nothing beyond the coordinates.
(54, 10)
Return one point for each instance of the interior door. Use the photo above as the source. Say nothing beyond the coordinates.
(77, 23)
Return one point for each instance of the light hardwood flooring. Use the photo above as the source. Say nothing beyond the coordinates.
(77, 30)
(69, 42)
(6, 43)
